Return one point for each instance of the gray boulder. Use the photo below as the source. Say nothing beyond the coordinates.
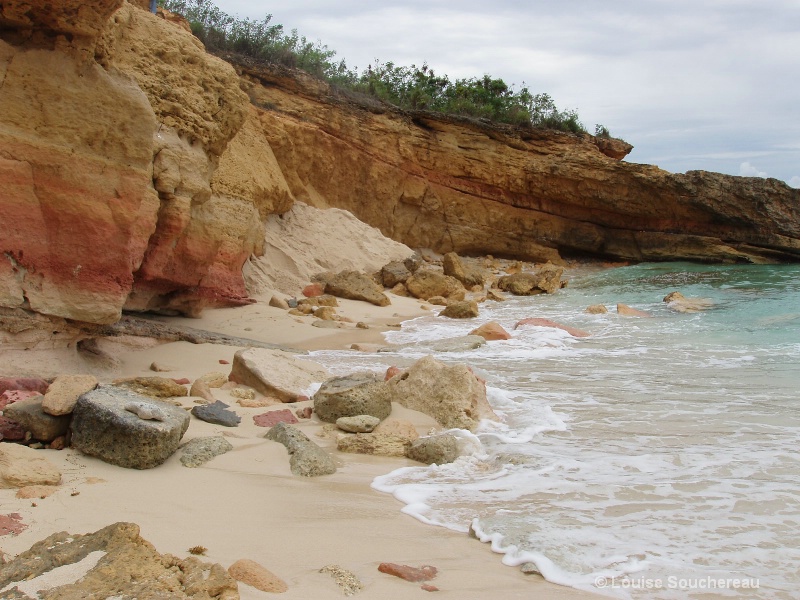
(394, 272)
(31, 417)
(127, 429)
(199, 451)
(217, 413)
(351, 396)
(305, 457)
(435, 449)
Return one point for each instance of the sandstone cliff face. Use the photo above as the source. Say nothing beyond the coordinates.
(114, 190)
(454, 184)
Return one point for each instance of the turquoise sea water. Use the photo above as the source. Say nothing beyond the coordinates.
(657, 458)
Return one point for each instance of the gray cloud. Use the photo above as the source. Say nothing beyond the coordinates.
(692, 85)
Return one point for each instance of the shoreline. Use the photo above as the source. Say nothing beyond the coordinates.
(247, 504)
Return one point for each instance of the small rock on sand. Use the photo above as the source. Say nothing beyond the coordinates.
(253, 574)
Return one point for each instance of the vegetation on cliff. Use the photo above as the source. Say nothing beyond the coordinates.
(417, 88)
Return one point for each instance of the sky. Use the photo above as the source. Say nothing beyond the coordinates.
(693, 84)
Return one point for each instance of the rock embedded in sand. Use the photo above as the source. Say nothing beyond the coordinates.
(358, 424)
(217, 413)
(64, 392)
(199, 451)
(21, 466)
(278, 302)
(201, 390)
(392, 437)
(323, 300)
(627, 311)
(326, 313)
(423, 573)
(30, 416)
(346, 580)
(305, 457)
(436, 449)
(451, 394)
(353, 285)
(153, 387)
(273, 417)
(491, 331)
(253, 574)
(537, 322)
(102, 427)
(352, 395)
(128, 567)
(37, 491)
(275, 373)
(30, 384)
(11, 524)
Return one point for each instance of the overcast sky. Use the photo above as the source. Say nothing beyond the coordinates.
(692, 84)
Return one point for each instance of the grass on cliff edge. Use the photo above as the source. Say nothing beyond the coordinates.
(414, 88)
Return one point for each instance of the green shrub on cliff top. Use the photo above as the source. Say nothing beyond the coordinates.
(416, 88)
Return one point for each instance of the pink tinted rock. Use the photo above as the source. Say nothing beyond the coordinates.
(10, 396)
(11, 524)
(273, 417)
(573, 331)
(33, 384)
(222, 361)
(491, 331)
(313, 290)
(391, 372)
(182, 381)
(423, 573)
(11, 430)
(429, 588)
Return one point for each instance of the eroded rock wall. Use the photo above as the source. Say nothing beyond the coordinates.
(463, 185)
(133, 171)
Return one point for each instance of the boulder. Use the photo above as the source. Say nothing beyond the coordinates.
(351, 396)
(358, 424)
(64, 392)
(153, 387)
(200, 450)
(278, 302)
(425, 284)
(253, 574)
(435, 449)
(30, 416)
(21, 466)
(451, 394)
(313, 289)
(680, 303)
(217, 413)
(109, 423)
(546, 279)
(353, 285)
(573, 331)
(597, 309)
(275, 373)
(115, 562)
(628, 311)
(305, 457)
(392, 437)
(467, 275)
(491, 331)
(394, 273)
(322, 300)
(462, 309)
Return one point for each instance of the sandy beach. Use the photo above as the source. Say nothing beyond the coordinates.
(247, 503)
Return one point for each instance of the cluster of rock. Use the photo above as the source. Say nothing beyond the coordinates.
(457, 283)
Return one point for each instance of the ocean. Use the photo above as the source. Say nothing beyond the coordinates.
(657, 458)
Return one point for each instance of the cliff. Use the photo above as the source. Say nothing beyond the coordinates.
(137, 172)
(429, 180)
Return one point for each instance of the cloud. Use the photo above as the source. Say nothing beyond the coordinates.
(795, 181)
(748, 170)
